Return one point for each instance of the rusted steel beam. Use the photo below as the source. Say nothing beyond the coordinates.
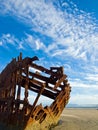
(38, 96)
(46, 92)
(43, 78)
(58, 83)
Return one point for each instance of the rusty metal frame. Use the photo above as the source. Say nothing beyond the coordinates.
(20, 113)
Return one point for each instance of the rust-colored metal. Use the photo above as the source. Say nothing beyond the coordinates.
(17, 112)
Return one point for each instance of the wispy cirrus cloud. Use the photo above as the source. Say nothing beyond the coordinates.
(7, 39)
(92, 77)
(27, 40)
(34, 43)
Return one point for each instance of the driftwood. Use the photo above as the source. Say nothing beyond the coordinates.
(17, 113)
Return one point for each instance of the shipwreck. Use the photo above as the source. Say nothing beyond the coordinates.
(18, 113)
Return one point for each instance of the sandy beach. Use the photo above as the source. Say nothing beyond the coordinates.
(78, 119)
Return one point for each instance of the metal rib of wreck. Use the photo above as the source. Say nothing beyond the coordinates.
(18, 113)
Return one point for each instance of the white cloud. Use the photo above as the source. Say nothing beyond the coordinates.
(42, 100)
(39, 45)
(27, 40)
(92, 77)
(79, 84)
(82, 99)
(6, 39)
(1, 43)
(34, 43)
(50, 48)
(58, 52)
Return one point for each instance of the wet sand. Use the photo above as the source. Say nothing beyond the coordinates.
(78, 119)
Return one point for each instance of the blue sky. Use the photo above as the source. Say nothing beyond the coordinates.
(61, 33)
